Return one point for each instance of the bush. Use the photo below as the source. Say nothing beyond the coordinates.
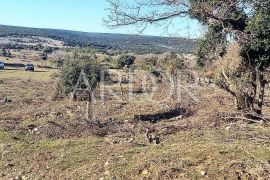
(48, 50)
(4, 52)
(171, 63)
(57, 63)
(212, 42)
(125, 60)
(57, 59)
(71, 73)
(107, 61)
(150, 65)
(150, 62)
(44, 56)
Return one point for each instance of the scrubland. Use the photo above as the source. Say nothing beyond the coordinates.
(42, 137)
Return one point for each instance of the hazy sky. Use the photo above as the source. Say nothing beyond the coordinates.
(80, 15)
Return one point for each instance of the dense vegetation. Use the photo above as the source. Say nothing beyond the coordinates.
(125, 61)
(245, 23)
(101, 41)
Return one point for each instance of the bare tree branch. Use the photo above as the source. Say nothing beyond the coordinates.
(144, 12)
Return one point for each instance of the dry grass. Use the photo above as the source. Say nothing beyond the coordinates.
(211, 154)
(200, 146)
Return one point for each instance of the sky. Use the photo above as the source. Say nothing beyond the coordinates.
(80, 15)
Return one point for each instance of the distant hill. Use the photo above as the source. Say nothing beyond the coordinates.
(106, 41)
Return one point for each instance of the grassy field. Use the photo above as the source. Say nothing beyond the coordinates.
(185, 155)
(19, 73)
(15, 73)
(64, 146)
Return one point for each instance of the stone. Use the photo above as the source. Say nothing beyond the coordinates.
(228, 128)
(9, 165)
(18, 178)
(107, 173)
(203, 173)
(145, 172)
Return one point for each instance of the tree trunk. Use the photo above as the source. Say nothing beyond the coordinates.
(121, 88)
(251, 99)
(244, 102)
(260, 93)
(249, 96)
(89, 112)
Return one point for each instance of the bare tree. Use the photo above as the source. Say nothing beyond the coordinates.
(145, 12)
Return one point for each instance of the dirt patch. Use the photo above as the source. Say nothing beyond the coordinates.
(178, 112)
(81, 128)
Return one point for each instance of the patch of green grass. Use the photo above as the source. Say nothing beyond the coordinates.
(182, 156)
(65, 156)
(41, 75)
(185, 156)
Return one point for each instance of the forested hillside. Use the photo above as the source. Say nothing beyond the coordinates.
(106, 41)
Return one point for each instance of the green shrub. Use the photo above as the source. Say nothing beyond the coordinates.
(48, 50)
(125, 60)
(150, 65)
(71, 74)
(107, 59)
(151, 62)
(171, 63)
(212, 42)
(168, 64)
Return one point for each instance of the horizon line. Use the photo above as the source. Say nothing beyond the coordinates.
(72, 30)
